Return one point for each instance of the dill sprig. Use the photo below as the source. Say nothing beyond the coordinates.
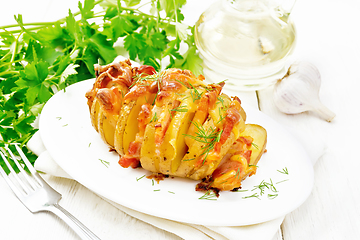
(255, 195)
(106, 163)
(209, 195)
(182, 108)
(204, 135)
(272, 196)
(284, 171)
(265, 185)
(137, 179)
(222, 116)
(221, 100)
(255, 145)
(195, 94)
(154, 118)
(208, 136)
(282, 181)
(143, 78)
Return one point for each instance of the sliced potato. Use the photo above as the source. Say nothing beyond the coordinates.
(94, 114)
(106, 126)
(187, 165)
(231, 173)
(208, 169)
(243, 114)
(259, 135)
(149, 159)
(218, 111)
(191, 130)
(174, 146)
(132, 126)
(147, 153)
(121, 125)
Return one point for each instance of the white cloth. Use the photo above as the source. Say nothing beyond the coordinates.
(263, 231)
(303, 128)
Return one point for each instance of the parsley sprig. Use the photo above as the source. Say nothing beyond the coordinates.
(39, 59)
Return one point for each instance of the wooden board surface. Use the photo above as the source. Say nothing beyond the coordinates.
(328, 36)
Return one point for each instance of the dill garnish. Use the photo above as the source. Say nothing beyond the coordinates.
(209, 195)
(255, 145)
(106, 163)
(272, 196)
(195, 95)
(137, 179)
(282, 181)
(263, 185)
(208, 136)
(180, 109)
(284, 171)
(154, 118)
(256, 195)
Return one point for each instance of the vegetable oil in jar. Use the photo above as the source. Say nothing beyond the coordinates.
(245, 42)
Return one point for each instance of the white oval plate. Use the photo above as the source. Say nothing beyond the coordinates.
(67, 134)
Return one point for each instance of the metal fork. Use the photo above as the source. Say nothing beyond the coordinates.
(36, 194)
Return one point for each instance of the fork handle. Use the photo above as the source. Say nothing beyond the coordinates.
(80, 229)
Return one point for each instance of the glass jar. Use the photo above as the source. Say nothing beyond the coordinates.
(245, 42)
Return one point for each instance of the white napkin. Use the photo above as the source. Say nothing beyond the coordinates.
(303, 127)
(263, 231)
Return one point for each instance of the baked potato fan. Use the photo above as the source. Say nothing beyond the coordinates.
(172, 123)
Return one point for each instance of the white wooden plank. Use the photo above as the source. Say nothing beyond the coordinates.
(101, 217)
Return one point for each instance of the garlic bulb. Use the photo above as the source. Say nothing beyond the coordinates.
(298, 91)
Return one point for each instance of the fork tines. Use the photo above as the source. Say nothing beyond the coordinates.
(23, 179)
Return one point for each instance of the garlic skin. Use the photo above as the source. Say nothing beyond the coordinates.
(298, 91)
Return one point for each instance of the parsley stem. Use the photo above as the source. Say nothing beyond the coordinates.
(176, 16)
(40, 24)
(142, 6)
(15, 48)
(9, 63)
(9, 72)
(118, 7)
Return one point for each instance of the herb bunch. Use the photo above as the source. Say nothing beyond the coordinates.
(39, 59)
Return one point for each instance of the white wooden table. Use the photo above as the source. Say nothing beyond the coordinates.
(329, 37)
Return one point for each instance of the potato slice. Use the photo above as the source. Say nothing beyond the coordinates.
(94, 114)
(231, 173)
(121, 125)
(259, 135)
(106, 126)
(132, 126)
(208, 169)
(174, 146)
(217, 113)
(149, 159)
(188, 162)
(234, 169)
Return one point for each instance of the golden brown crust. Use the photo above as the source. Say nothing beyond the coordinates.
(171, 123)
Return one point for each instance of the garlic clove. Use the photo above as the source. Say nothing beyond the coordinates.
(298, 91)
(324, 112)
